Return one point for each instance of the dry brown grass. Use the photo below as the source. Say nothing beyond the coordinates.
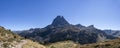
(62, 44)
(31, 44)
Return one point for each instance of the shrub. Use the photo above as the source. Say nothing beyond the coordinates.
(52, 47)
(107, 44)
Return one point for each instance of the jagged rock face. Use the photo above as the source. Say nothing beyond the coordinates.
(61, 30)
(74, 34)
(59, 21)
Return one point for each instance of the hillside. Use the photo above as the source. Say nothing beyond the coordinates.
(69, 44)
(8, 39)
(7, 35)
(107, 44)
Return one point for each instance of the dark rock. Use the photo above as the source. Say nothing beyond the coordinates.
(59, 21)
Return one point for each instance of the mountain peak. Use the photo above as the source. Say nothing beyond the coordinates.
(59, 21)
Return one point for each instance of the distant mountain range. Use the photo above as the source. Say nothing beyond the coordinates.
(61, 30)
(115, 33)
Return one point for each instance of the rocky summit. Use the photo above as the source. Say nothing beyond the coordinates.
(59, 21)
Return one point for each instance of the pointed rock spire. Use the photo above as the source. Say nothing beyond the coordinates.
(59, 21)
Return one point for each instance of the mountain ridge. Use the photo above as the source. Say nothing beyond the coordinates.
(61, 30)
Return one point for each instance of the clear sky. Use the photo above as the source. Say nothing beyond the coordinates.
(25, 14)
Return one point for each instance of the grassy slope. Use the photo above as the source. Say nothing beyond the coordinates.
(31, 44)
(107, 44)
(62, 44)
(69, 44)
(8, 39)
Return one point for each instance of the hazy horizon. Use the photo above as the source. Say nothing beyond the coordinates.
(26, 14)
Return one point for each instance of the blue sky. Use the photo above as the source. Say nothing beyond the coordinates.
(25, 14)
